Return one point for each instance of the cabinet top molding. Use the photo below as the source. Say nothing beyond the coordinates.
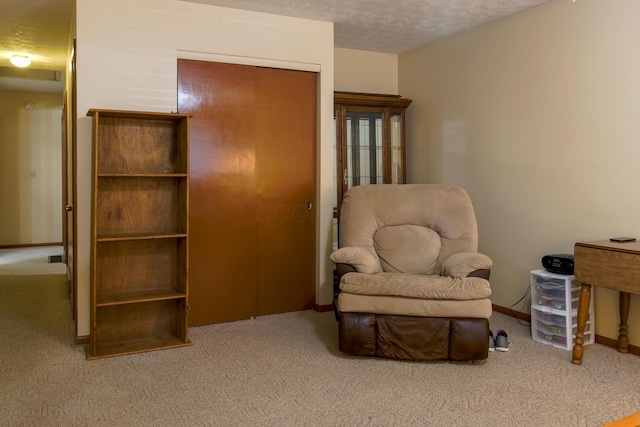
(135, 114)
(370, 100)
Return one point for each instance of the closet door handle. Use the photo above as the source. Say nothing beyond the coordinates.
(309, 205)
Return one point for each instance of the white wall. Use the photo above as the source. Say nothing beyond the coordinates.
(127, 59)
(365, 72)
(30, 168)
(537, 115)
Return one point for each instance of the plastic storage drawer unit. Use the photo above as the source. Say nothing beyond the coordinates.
(554, 310)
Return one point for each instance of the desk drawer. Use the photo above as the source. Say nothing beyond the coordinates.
(609, 267)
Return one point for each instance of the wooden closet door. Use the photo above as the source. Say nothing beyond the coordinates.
(285, 188)
(222, 226)
(252, 238)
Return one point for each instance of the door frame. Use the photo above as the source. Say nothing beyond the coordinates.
(65, 178)
(70, 201)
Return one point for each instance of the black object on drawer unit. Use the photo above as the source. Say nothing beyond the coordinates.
(558, 263)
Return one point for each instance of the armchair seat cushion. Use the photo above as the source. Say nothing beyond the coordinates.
(416, 286)
(403, 306)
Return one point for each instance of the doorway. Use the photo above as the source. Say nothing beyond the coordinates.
(252, 189)
(34, 300)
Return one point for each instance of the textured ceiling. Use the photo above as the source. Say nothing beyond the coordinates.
(40, 28)
(386, 26)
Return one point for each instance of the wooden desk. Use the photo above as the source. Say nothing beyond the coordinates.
(609, 265)
(630, 421)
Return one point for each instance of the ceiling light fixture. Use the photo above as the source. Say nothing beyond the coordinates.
(20, 60)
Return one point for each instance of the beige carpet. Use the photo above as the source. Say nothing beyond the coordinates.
(286, 370)
(30, 261)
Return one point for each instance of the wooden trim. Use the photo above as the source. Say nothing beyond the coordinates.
(323, 308)
(517, 314)
(82, 340)
(609, 342)
(30, 245)
(348, 98)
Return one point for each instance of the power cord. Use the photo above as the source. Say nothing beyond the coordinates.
(526, 293)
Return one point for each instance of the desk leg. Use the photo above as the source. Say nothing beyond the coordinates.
(583, 313)
(623, 338)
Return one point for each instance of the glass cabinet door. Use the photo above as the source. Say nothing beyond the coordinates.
(397, 153)
(364, 163)
(369, 141)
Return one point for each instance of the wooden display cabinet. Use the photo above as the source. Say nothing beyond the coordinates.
(369, 141)
(140, 209)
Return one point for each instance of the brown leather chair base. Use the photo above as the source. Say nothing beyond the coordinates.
(414, 338)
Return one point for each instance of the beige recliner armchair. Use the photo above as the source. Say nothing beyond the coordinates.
(413, 285)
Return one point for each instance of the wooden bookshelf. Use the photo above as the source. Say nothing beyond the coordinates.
(140, 209)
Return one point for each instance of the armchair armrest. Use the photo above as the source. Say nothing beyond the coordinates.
(467, 264)
(360, 258)
(342, 269)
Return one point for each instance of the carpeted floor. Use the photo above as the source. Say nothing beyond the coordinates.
(286, 370)
(30, 261)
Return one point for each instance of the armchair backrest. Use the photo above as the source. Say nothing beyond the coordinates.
(409, 228)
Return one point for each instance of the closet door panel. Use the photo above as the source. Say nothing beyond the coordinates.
(252, 190)
(222, 248)
(285, 189)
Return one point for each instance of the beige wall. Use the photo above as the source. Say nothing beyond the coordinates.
(30, 168)
(366, 72)
(127, 59)
(537, 115)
